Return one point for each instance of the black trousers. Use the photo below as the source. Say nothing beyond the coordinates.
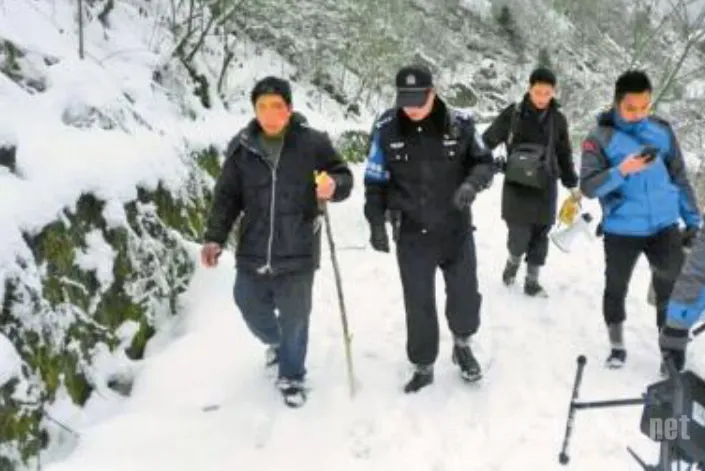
(664, 252)
(419, 256)
(530, 240)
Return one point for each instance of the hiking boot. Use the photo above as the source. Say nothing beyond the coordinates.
(469, 367)
(617, 358)
(618, 354)
(293, 392)
(534, 289)
(678, 359)
(510, 273)
(422, 377)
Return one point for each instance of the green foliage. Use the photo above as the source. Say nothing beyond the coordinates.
(139, 342)
(353, 146)
(462, 96)
(19, 426)
(209, 160)
(56, 324)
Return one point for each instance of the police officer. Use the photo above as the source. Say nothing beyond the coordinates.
(426, 164)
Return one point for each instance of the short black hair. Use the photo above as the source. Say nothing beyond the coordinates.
(272, 86)
(542, 75)
(631, 81)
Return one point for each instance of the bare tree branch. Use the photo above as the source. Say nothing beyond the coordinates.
(220, 19)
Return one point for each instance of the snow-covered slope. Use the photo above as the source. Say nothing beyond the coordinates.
(514, 419)
(114, 156)
(102, 124)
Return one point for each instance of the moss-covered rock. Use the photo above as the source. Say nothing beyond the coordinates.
(209, 160)
(185, 215)
(19, 427)
(68, 301)
(139, 341)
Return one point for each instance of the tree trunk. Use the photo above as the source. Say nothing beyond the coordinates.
(81, 54)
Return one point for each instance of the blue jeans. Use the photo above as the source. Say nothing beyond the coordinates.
(258, 296)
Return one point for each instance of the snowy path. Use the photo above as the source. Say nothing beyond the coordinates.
(513, 420)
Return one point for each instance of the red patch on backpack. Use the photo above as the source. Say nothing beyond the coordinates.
(589, 146)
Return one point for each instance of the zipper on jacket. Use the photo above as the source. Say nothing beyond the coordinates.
(267, 267)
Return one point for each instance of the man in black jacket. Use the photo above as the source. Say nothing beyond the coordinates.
(530, 212)
(425, 166)
(269, 178)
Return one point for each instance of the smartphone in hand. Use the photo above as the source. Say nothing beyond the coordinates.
(649, 153)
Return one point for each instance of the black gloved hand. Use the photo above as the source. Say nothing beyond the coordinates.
(673, 342)
(379, 238)
(689, 235)
(464, 195)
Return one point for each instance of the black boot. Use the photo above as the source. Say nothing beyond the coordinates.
(617, 358)
(678, 359)
(510, 271)
(673, 343)
(469, 367)
(618, 354)
(532, 287)
(293, 392)
(422, 377)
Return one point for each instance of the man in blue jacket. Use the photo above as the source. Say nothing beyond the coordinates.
(632, 162)
(686, 305)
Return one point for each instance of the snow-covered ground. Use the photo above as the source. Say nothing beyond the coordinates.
(514, 419)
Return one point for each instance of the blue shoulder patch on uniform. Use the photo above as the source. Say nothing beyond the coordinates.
(384, 119)
(376, 164)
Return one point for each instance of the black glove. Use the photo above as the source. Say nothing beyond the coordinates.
(689, 235)
(673, 342)
(464, 195)
(379, 238)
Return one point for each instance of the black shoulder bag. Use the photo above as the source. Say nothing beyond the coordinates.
(528, 164)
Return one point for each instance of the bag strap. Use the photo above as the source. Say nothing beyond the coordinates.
(552, 139)
(512, 125)
(551, 156)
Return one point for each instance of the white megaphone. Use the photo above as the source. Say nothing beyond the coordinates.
(564, 238)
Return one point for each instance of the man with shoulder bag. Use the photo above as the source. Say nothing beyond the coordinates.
(539, 152)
